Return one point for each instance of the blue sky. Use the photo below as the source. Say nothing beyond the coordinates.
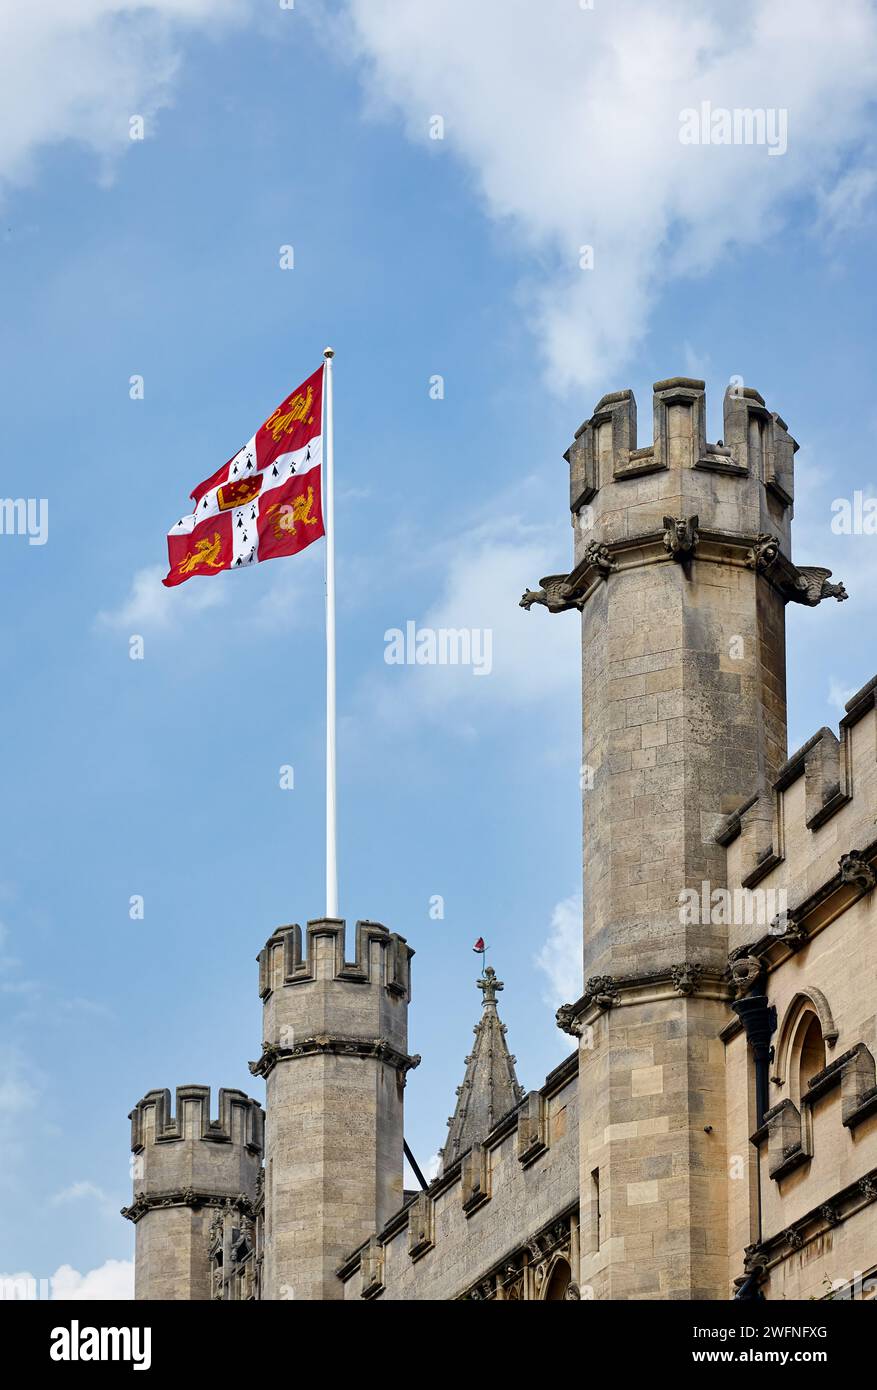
(414, 257)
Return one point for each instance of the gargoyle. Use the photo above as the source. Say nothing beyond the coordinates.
(597, 554)
(567, 1021)
(601, 990)
(764, 553)
(686, 977)
(746, 970)
(680, 536)
(811, 586)
(556, 594)
(855, 869)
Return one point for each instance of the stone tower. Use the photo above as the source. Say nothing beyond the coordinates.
(335, 1060)
(185, 1167)
(682, 573)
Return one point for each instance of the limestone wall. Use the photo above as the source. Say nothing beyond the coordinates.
(471, 1227)
(823, 805)
(813, 837)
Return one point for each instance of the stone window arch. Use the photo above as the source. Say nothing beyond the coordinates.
(807, 1055)
(807, 1029)
(558, 1281)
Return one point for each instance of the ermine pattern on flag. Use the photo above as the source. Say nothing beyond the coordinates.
(265, 502)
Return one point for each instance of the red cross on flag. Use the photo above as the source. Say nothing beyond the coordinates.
(265, 502)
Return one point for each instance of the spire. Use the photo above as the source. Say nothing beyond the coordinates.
(490, 1087)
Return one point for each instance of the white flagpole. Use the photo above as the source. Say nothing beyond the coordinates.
(329, 505)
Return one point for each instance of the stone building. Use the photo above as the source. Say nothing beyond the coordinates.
(714, 1132)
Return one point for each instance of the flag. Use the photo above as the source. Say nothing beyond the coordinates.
(479, 948)
(265, 502)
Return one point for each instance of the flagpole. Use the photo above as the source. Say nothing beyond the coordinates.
(329, 504)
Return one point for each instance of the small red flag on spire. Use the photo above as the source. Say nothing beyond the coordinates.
(479, 946)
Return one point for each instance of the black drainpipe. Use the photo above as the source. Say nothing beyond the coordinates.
(759, 1019)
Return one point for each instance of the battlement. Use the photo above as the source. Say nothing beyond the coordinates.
(240, 1119)
(495, 1221)
(742, 484)
(187, 1159)
(382, 957)
(811, 832)
(320, 1001)
(756, 441)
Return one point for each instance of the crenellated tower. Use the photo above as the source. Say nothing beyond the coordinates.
(186, 1167)
(682, 572)
(335, 1058)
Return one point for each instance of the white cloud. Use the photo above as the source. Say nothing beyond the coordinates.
(87, 1192)
(150, 605)
(294, 595)
(78, 72)
(847, 204)
(533, 656)
(569, 120)
(21, 1114)
(19, 1088)
(430, 1170)
(560, 958)
(839, 694)
(16, 1096)
(112, 1280)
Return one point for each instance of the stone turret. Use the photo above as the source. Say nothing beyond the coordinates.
(335, 1058)
(682, 572)
(185, 1166)
(490, 1087)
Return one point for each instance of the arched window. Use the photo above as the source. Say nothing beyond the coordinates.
(810, 1049)
(807, 1028)
(558, 1281)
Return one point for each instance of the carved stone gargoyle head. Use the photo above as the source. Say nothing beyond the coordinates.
(746, 971)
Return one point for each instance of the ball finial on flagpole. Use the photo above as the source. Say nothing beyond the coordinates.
(328, 352)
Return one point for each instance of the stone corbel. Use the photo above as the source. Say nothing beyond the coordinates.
(794, 1237)
(686, 977)
(602, 991)
(787, 929)
(680, 537)
(755, 1261)
(568, 1020)
(855, 869)
(764, 553)
(747, 971)
(597, 555)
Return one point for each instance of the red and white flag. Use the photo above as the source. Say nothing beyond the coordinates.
(265, 502)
